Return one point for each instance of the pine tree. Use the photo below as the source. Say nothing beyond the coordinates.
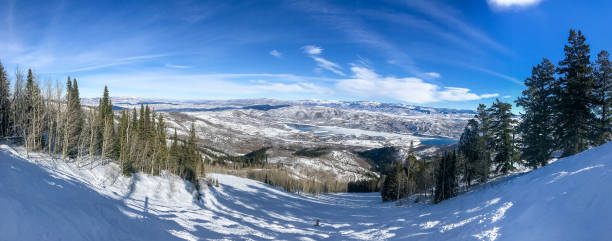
(104, 112)
(391, 186)
(5, 103)
(536, 126)
(470, 146)
(74, 119)
(602, 93)
(106, 125)
(484, 119)
(173, 154)
(33, 109)
(503, 136)
(446, 177)
(161, 137)
(121, 137)
(141, 121)
(573, 96)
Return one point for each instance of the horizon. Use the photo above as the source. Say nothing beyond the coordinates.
(438, 54)
(281, 100)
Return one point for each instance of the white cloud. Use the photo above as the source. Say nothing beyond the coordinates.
(314, 53)
(328, 65)
(275, 53)
(431, 75)
(312, 50)
(512, 3)
(218, 86)
(178, 66)
(367, 83)
(461, 94)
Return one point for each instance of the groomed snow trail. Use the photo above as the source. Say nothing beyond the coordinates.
(42, 199)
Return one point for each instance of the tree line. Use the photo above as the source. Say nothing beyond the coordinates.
(566, 110)
(56, 123)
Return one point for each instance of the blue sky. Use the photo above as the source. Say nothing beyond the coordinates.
(434, 53)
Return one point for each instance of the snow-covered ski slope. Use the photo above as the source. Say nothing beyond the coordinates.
(567, 200)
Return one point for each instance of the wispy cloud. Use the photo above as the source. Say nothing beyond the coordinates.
(367, 83)
(430, 75)
(328, 65)
(276, 53)
(447, 15)
(225, 85)
(494, 73)
(352, 26)
(423, 25)
(314, 52)
(505, 4)
(115, 62)
(173, 66)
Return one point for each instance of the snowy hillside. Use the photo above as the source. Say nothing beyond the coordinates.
(238, 127)
(43, 199)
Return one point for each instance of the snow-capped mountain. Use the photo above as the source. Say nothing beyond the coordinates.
(237, 127)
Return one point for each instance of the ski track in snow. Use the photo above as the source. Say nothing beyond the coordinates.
(46, 199)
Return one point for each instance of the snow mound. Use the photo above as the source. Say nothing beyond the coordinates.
(43, 199)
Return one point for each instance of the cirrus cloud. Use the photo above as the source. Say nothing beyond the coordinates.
(512, 3)
(276, 53)
(312, 50)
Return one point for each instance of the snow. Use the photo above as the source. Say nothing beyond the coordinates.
(46, 199)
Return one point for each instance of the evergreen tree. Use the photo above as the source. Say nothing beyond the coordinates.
(122, 131)
(74, 118)
(173, 154)
(602, 93)
(105, 111)
(33, 110)
(5, 103)
(446, 178)
(471, 146)
(161, 137)
(484, 119)
(573, 96)
(141, 121)
(503, 136)
(536, 126)
(391, 186)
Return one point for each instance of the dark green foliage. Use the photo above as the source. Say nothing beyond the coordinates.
(484, 120)
(312, 152)
(503, 136)
(127, 168)
(5, 104)
(391, 189)
(187, 157)
(446, 177)
(381, 157)
(256, 157)
(74, 118)
(471, 147)
(602, 94)
(104, 119)
(537, 121)
(573, 96)
(370, 185)
(404, 179)
(138, 142)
